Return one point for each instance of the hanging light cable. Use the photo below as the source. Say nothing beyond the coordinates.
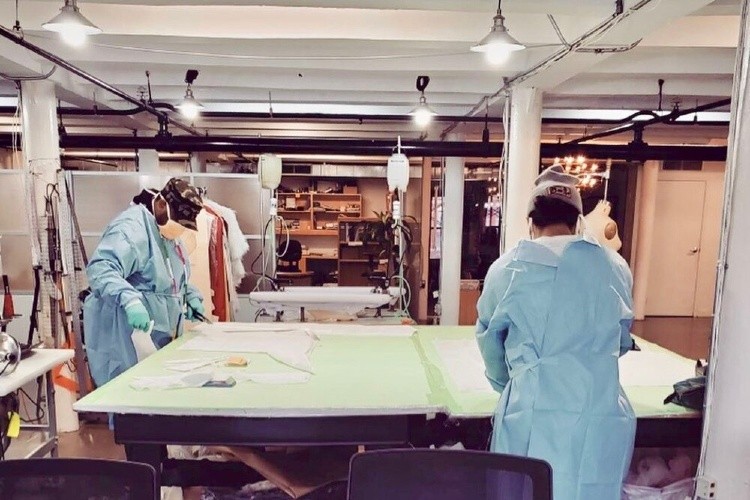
(498, 44)
(72, 26)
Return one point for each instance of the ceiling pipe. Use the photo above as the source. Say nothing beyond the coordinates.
(161, 115)
(362, 118)
(593, 34)
(668, 118)
(362, 147)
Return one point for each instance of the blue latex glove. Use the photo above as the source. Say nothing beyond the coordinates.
(137, 315)
(195, 305)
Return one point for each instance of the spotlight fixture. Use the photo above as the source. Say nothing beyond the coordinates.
(190, 108)
(498, 44)
(422, 113)
(72, 26)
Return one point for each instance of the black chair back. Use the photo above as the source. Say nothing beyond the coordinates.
(76, 479)
(447, 475)
(291, 258)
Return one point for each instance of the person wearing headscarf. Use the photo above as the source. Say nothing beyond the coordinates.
(139, 278)
(554, 317)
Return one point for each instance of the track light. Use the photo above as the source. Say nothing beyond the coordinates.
(498, 44)
(72, 26)
(422, 113)
(190, 108)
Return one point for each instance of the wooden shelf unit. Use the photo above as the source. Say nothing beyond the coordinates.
(341, 208)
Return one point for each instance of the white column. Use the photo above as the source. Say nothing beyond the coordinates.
(41, 141)
(452, 235)
(523, 162)
(148, 161)
(726, 435)
(648, 184)
(41, 148)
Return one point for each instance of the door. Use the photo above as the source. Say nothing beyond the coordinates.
(675, 250)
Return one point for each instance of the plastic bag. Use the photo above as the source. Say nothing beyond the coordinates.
(144, 345)
(680, 490)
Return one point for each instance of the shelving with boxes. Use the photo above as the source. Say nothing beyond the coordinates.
(313, 219)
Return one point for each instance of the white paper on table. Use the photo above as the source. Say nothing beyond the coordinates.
(179, 381)
(292, 347)
(188, 365)
(281, 378)
(357, 330)
(654, 367)
(464, 364)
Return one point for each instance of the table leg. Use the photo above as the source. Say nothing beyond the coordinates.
(51, 413)
(151, 454)
(302, 314)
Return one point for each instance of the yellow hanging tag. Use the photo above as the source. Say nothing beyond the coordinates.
(14, 427)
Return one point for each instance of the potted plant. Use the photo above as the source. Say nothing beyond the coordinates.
(384, 232)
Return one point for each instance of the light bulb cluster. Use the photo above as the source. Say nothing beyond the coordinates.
(589, 174)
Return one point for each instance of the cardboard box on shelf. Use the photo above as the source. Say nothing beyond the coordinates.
(351, 190)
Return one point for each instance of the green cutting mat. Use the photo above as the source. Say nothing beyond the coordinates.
(646, 401)
(353, 376)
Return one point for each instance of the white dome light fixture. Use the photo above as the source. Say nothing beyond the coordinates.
(498, 45)
(72, 26)
(190, 108)
(423, 113)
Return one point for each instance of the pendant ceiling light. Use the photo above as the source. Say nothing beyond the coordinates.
(190, 108)
(422, 113)
(498, 44)
(72, 26)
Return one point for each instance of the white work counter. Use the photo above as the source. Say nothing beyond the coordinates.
(40, 439)
(347, 299)
(41, 362)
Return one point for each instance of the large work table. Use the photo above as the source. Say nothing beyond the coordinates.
(366, 389)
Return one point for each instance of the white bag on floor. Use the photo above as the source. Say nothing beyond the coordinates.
(681, 490)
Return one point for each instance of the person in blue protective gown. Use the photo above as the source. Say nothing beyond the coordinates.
(553, 319)
(139, 273)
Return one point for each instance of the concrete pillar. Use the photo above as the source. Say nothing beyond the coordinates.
(452, 235)
(41, 142)
(198, 162)
(725, 452)
(424, 248)
(648, 184)
(523, 162)
(148, 161)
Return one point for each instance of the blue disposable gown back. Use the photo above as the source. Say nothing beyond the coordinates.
(129, 264)
(551, 328)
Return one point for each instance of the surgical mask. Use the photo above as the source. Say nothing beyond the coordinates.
(171, 230)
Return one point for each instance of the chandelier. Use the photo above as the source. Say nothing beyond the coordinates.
(589, 174)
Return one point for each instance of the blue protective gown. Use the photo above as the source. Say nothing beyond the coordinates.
(551, 328)
(130, 263)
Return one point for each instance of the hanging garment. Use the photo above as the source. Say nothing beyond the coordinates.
(131, 263)
(237, 243)
(551, 328)
(217, 266)
(603, 227)
(200, 269)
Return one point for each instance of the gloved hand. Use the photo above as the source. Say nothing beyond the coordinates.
(195, 305)
(137, 315)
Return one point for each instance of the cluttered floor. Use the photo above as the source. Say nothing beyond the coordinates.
(689, 337)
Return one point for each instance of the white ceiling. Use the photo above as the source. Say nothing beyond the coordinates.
(363, 56)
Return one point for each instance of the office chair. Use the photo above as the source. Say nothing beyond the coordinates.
(76, 479)
(447, 475)
(291, 258)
